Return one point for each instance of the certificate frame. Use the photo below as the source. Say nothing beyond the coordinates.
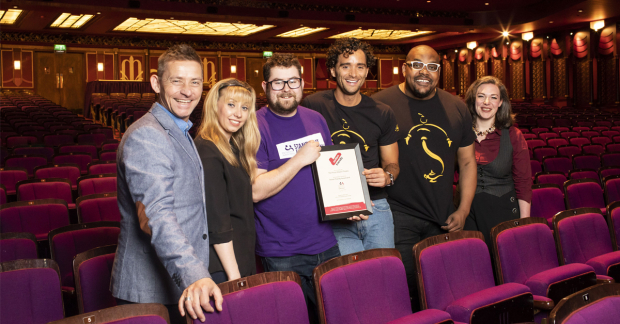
(358, 181)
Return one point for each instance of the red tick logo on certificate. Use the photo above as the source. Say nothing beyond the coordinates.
(335, 159)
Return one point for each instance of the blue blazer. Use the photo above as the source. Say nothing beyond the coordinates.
(163, 245)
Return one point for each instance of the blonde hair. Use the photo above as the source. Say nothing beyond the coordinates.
(247, 138)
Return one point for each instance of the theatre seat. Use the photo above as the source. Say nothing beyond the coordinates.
(547, 200)
(95, 184)
(38, 217)
(581, 193)
(599, 304)
(98, 207)
(16, 246)
(125, 314)
(455, 275)
(93, 270)
(613, 221)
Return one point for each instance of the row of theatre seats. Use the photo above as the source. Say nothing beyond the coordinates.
(566, 275)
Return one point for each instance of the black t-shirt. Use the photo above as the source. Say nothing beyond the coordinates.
(430, 133)
(369, 124)
(230, 210)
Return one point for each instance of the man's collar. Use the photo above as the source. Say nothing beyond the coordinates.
(184, 126)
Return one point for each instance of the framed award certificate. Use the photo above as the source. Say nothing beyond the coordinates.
(341, 188)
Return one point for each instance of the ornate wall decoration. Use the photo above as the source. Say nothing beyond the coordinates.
(581, 43)
(556, 49)
(537, 79)
(481, 69)
(516, 80)
(559, 77)
(463, 78)
(498, 68)
(607, 40)
(17, 78)
(582, 82)
(448, 75)
(131, 67)
(607, 68)
(142, 42)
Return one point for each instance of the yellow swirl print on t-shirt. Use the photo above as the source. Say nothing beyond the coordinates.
(344, 132)
(423, 126)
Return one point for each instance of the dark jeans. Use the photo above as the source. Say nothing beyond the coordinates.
(303, 265)
(173, 311)
(409, 230)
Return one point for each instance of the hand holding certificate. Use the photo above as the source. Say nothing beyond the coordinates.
(341, 187)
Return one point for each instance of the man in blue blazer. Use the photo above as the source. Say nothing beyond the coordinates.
(163, 247)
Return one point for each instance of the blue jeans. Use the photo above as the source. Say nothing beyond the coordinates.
(374, 233)
(303, 265)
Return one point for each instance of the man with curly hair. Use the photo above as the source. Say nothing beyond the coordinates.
(356, 118)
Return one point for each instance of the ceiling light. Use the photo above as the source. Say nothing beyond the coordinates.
(505, 34)
(507, 43)
(17, 65)
(188, 27)
(98, 12)
(428, 1)
(67, 20)
(527, 36)
(381, 34)
(456, 51)
(100, 67)
(395, 70)
(303, 31)
(15, 7)
(551, 21)
(596, 25)
(571, 33)
(580, 10)
(486, 3)
(472, 45)
(9, 17)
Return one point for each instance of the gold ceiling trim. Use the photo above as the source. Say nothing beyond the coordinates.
(302, 31)
(9, 17)
(381, 34)
(189, 27)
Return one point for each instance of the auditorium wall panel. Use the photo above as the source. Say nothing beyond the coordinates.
(22, 78)
(131, 67)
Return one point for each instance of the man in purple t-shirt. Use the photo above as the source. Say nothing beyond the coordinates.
(289, 235)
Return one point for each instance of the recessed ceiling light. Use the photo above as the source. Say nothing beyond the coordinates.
(547, 36)
(551, 21)
(571, 34)
(456, 51)
(15, 7)
(171, 17)
(98, 12)
(505, 34)
(428, 1)
(507, 43)
(486, 3)
(580, 10)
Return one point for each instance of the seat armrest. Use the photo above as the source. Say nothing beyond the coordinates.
(543, 303)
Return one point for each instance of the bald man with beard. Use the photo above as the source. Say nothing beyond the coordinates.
(434, 128)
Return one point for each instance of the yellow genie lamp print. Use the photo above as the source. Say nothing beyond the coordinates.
(341, 136)
(424, 126)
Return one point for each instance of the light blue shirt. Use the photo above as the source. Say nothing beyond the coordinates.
(184, 126)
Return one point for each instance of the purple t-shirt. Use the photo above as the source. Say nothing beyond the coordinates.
(287, 223)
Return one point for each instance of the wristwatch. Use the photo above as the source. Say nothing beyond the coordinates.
(391, 179)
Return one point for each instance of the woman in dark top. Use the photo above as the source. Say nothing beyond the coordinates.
(504, 190)
(227, 142)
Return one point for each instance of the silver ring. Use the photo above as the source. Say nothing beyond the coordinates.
(188, 298)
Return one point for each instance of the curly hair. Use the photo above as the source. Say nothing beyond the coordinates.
(285, 60)
(346, 47)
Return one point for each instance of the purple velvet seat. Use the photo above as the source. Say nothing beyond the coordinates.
(538, 130)
(2, 194)
(528, 136)
(536, 167)
(109, 146)
(584, 174)
(102, 167)
(98, 207)
(524, 252)
(455, 275)
(579, 141)
(46, 151)
(534, 143)
(16, 246)
(590, 134)
(559, 129)
(52, 188)
(63, 171)
(93, 269)
(124, 314)
(608, 171)
(586, 161)
(569, 134)
(612, 188)
(270, 297)
(92, 139)
(602, 140)
(597, 149)
(379, 273)
(107, 156)
(77, 148)
(610, 159)
(547, 135)
(38, 217)
(544, 151)
(582, 236)
(13, 141)
(28, 162)
(569, 150)
(612, 148)
(613, 221)
(67, 242)
(9, 177)
(30, 292)
(555, 142)
(558, 164)
(96, 184)
(58, 140)
(81, 159)
(594, 305)
(425, 316)
(610, 133)
(554, 177)
(581, 193)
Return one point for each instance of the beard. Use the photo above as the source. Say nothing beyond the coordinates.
(280, 109)
(342, 85)
(421, 94)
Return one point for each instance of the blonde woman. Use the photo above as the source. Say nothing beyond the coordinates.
(227, 142)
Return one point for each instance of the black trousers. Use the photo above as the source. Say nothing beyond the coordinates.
(409, 230)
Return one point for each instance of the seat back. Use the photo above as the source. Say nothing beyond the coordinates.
(613, 222)
(30, 291)
(46, 151)
(102, 168)
(9, 177)
(584, 174)
(98, 207)
(96, 184)
(63, 171)
(16, 246)
(534, 143)
(92, 139)
(378, 272)
(66, 242)
(603, 140)
(569, 134)
(81, 159)
(596, 304)
(93, 270)
(558, 164)
(581, 234)
(269, 297)
(2, 194)
(451, 266)
(124, 314)
(610, 159)
(54, 188)
(583, 193)
(586, 161)
(612, 188)
(597, 149)
(58, 140)
(579, 141)
(569, 150)
(523, 248)
(555, 142)
(554, 177)
(27, 162)
(38, 217)
(13, 141)
(608, 171)
(536, 167)
(544, 151)
(77, 148)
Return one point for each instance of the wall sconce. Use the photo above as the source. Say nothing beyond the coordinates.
(100, 67)
(596, 25)
(472, 45)
(233, 69)
(527, 36)
(17, 65)
(395, 70)
(302, 70)
(256, 73)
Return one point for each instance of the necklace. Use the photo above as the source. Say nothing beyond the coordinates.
(482, 133)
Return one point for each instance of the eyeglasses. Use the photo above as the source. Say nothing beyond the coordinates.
(278, 85)
(430, 67)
